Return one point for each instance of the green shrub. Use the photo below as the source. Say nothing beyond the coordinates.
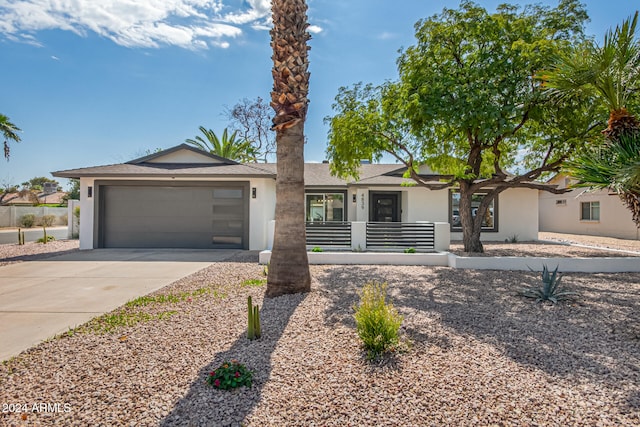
(230, 375)
(28, 220)
(512, 239)
(49, 239)
(550, 290)
(317, 249)
(410, 251)
(377, 321)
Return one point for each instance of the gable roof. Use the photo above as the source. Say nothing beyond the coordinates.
(172, 155)
(182, 160)
(190, 162)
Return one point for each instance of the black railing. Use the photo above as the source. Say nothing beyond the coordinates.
(329, 234)
(400, 235)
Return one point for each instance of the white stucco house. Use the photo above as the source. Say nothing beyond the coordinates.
(183, 197)
(583, 211)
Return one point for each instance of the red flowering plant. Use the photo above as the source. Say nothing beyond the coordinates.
(230, 375)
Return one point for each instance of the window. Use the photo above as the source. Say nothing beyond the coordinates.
(590, 211)
(489, 222)
(324, 207)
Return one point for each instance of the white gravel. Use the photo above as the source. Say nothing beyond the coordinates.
(478, 355)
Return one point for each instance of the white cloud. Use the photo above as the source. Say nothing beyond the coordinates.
(314, 29)
(191, 24)
(386, 36)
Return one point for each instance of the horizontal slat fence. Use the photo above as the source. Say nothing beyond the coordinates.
(329, 234)
(400, 235)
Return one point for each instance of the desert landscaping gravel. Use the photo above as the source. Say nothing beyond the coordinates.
(475, 353)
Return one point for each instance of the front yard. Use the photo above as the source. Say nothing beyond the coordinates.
(478, 355)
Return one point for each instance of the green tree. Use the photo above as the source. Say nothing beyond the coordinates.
(289, 267)
(466, 105)
(612, 73)
(228, 146)
(37, 183)
(10, 132)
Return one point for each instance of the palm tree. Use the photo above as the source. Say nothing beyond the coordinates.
(9, 130)
(612, 72)
(289, 266)
(228, 146)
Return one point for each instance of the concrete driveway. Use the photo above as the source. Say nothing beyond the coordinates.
(39, 299)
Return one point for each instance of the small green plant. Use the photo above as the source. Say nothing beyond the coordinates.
(171, 298)
(377, 322)
(265, 270)
(111, 322)
(550, 290)
(254, 282)
(512, 239)
(28, 220)
(317, 249)
(230, 375)
(254, 330)
(410, 251)
(48, 238)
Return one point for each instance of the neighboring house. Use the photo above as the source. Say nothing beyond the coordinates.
(16, 199)
(581, 211)
(186, 198)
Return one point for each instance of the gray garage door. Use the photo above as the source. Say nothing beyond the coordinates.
(151, 216)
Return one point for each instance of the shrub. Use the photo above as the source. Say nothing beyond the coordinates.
(49, 239)
(410, 251)
(550, 290)
(377, 321)
(317, 249)
(64, 219)
(48, 220)
(230, 375)
(28, 220)
(512, 239)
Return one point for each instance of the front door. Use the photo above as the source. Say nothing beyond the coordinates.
(384, 207)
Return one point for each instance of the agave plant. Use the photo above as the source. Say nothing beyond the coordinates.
(550, 290)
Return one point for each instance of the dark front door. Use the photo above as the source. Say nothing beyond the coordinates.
(384, 207)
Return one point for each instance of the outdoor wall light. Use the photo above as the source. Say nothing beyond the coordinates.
(254, 192)
(89, 191)
(355, 197)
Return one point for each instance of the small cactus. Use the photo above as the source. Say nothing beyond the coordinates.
(253, 317)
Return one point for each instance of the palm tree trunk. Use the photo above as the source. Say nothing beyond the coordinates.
(289, 266)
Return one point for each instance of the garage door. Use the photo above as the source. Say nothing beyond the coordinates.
(185, 216)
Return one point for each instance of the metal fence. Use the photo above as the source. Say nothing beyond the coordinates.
(400, 235)
(329, 234)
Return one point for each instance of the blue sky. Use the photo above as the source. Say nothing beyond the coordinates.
(99, 82)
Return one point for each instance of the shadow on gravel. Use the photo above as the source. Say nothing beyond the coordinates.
(36, 257)
(596, 338)
(206, 406)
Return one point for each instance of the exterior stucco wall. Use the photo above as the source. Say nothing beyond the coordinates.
(615, 219)
(261, 209)
(517, 215)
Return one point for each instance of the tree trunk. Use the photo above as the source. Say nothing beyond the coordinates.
(289, 266)
(471, 227)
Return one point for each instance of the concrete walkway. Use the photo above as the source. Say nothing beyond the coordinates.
(39, 299)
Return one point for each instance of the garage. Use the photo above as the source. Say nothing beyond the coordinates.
(197, 215)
